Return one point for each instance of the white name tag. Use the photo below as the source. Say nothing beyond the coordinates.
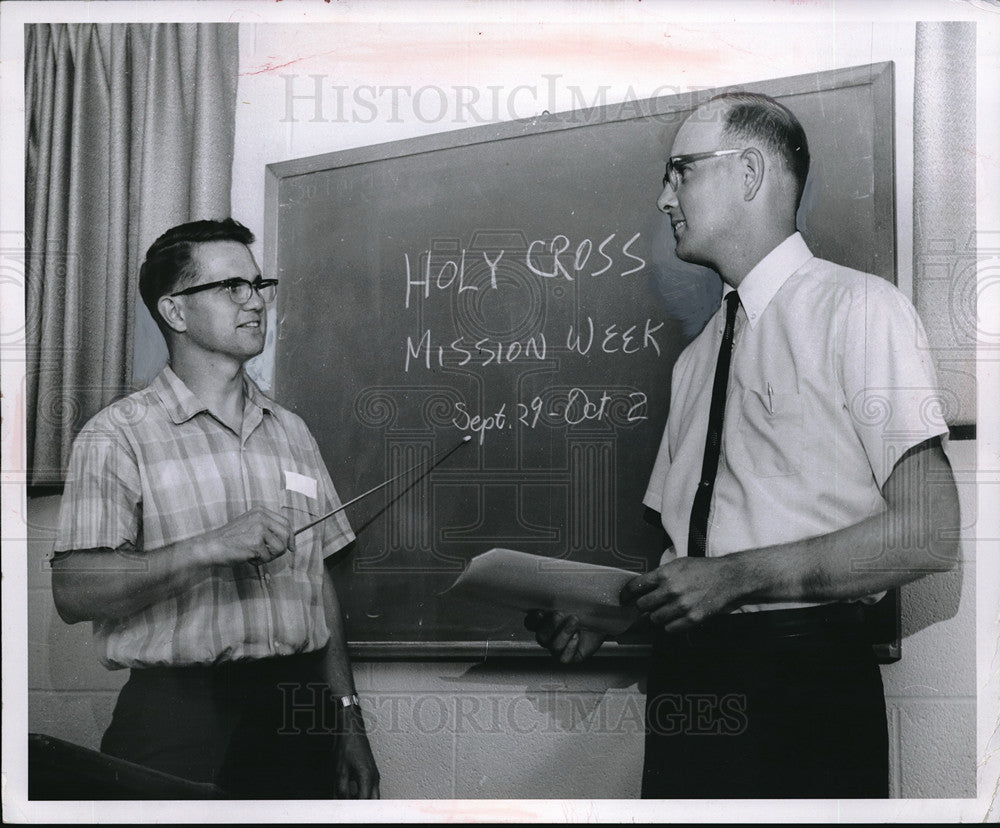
(295, 482)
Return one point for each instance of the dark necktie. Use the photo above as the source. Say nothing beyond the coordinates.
(698, 529)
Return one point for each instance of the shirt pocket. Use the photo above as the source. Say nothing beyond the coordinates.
(300, 510)
(770, 433)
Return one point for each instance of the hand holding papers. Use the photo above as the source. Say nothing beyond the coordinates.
(506, 578)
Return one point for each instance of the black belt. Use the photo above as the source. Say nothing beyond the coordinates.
(765, 628)
(277, 667)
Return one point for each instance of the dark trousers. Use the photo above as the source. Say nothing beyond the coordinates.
(754, 708)
(258, 729)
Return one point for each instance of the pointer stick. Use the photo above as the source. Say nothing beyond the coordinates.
(443, 453)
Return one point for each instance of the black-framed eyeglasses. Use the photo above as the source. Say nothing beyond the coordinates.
(677, 163)
(240, 290)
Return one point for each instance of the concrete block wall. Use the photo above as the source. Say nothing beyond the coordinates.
(529, 730)
(70, 694)
(931, 691)
(456, 730)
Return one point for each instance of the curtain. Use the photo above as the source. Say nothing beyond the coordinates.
(944, 208)
(129, 131)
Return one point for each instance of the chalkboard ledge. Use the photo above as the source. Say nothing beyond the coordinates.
(527, 651)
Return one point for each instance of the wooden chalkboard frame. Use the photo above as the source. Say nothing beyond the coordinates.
(878, 77)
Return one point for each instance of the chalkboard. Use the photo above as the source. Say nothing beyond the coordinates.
(515, 283)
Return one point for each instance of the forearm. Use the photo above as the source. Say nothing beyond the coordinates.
(860, 560)
(115, 583)
(356, 771)
(915, 536)
(94, 584)
(336, 661)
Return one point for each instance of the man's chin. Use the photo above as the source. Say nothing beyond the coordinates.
(686, 254)
(251, 351)
(683, 253)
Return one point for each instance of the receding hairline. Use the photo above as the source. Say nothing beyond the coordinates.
(725, 106)
(198, 249)
(784, 159)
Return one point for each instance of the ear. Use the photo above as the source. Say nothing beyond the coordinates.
(172, 312)
(753, 172)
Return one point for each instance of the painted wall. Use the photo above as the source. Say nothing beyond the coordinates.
(466, 730)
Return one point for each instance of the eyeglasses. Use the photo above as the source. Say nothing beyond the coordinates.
(240, 290)
(677, 163)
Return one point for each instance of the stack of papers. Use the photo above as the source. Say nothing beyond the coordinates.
(517, 580)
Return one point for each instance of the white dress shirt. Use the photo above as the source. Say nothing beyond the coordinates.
(831, 382)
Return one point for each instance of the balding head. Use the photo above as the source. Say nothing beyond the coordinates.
(754, 118)
(734, 180)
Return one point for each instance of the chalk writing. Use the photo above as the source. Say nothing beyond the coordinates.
(609, 339)
(483, 351)
(461, 352)
(549, 259)
(569, 408)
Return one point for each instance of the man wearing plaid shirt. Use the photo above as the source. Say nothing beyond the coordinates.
(176, 539)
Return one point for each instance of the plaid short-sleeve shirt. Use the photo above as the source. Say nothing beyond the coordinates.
(156, 468)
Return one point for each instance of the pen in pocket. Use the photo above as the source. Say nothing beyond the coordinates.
(770, 399)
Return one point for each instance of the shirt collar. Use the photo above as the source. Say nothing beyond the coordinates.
(765, 279)
(256, 396)
(179, 400)
(182, 403)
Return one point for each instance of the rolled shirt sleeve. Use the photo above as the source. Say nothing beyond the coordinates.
(889, 381)
(337, 532)
(101, 502)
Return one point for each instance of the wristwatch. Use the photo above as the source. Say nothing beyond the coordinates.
(349, 701)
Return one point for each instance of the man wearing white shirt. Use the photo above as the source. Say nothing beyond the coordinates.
(801, 474)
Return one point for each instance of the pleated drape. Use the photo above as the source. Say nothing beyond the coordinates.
(129, 131)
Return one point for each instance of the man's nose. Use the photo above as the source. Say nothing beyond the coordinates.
(667, 199)
(255, 302)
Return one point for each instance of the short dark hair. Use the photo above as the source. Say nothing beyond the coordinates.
(170, 259)
(761, 118)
